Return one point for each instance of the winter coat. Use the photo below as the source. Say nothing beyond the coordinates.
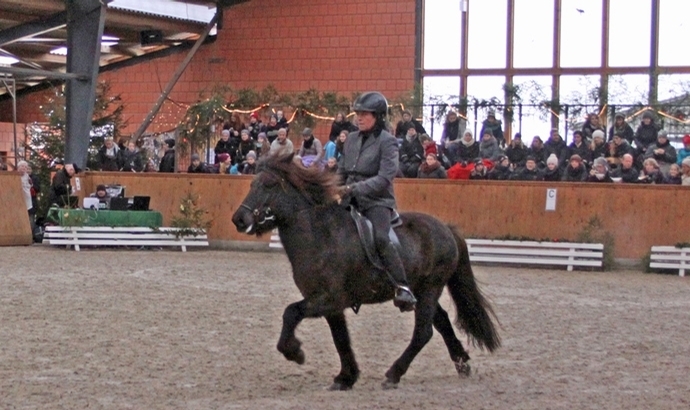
(682, 154)
(451, 132)
(369, 165)
(656, 178)
(242, 150)
(599, 151)
(223, 147)
(622, 149)
(669, 155)
(582, 150)
(411, 156)
(272, 132)
(131, 161)
(627, 175)
(488, 149)
(558, 148)
(476, 175)
(588, 129)
(645, 136)
(168, 161)
(539, 156)
(255, 129)
(552, 175)
(578, 174)
(60, 188)
(329, 150)
(677, 180)
(402, 127)
(468, 153)
(315, 149)
(201, 169)
(626, 131)
(249, 169)
(435, 171)
(517, 154)
(500, 173)
(495, 129)
(282, 149)
(338, 127)
(524, 174)
(606, 178)
(108, 162)
(686, 180)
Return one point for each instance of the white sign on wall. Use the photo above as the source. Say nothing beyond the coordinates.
(551, 194)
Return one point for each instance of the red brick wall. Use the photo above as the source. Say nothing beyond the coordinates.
(295, 45)
(7, 141)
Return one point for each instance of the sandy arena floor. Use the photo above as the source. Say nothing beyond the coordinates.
(167, 330)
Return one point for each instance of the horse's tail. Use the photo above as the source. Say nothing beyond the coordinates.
(474, 312)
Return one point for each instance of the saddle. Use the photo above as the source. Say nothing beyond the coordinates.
(365, 231)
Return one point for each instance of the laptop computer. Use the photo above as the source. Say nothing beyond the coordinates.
(140, 203)
(119, 204)
(91, 203)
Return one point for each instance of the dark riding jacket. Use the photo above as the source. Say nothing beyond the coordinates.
(369, 168)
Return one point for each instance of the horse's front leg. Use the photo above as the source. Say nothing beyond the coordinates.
(288, 344)
(349, 372)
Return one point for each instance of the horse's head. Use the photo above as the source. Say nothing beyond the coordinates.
(280, 190)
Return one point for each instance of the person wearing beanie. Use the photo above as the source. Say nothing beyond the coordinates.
(197, 167)
(530, 172)
(431, 168)
(249, 167)
(406, 123)
(168, 161)
(621, 128)
(224, 163)
(255, 126)
(662, 151)
(311, 150)
(600, 171)
(646, 133)
(493, 127)
(516, 151)
(102, 194)
(552, 172)
(592, 124)
(501, 170)
(246, 144)
(576, 171)
(223, 146)
(617, 148)
(480, 171)
(685, 171)
(685, 151)
(489, 147)
(556, 146)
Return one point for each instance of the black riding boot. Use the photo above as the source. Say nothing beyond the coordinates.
(404, 299)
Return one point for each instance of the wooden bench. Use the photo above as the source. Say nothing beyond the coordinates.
(670, 257)
(537, 253)
(77, 236)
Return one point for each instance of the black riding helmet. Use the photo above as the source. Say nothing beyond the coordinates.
(373, 102)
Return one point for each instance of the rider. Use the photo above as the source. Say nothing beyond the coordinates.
(368, 165)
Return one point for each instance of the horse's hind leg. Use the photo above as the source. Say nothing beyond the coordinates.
(457, 353)
(349, 372)
(423, 330)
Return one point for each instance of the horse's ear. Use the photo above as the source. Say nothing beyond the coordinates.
(288, 159)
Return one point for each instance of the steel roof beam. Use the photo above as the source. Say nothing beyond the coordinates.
(33, 28)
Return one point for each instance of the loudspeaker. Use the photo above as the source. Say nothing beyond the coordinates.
(149, 37)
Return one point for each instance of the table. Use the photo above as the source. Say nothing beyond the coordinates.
(89, 217)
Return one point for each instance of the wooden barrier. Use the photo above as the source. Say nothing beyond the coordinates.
(14, 220)
(638, 216)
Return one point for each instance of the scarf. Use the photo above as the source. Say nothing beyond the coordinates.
(427, 169)
(468, 143)
(308, 142)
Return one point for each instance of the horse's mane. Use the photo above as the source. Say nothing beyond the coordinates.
(317, 185)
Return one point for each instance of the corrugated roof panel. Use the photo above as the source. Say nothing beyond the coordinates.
(167, 8)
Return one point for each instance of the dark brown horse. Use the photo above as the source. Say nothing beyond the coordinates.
(331, 269)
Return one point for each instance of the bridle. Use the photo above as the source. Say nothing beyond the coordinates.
(262, 216)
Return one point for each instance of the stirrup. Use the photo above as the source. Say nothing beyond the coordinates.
(404, 299)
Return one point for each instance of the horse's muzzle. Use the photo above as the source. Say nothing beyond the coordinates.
(243, 220)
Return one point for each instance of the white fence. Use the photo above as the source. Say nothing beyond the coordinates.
(77, 236)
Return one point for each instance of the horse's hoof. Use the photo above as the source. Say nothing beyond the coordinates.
(463, 368)
(300, 358)
(339, 387)
(389, 385)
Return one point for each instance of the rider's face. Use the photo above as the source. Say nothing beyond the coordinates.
(365, 120)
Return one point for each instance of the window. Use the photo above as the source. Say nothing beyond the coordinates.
(487, 33)
(629, 33)
(533, 37)
(581, 33)
(442, 34)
